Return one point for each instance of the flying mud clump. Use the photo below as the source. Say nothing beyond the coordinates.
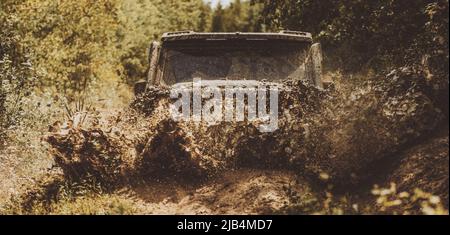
(334, 134)
(366, 123)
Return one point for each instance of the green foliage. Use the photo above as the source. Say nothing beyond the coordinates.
(390, 201)
(367, 34)
(239, 16)
(73, 42)
(16, 73)
(82, 48)
(143, 21)
(217, 20)
(204, 20)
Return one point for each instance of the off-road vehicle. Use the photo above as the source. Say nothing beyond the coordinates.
(271, 57)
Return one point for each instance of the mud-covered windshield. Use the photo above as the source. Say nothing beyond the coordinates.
(240, 61)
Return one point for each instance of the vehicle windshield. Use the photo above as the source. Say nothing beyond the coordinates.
(248, 60)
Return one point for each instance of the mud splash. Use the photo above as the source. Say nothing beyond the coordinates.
(331, 135)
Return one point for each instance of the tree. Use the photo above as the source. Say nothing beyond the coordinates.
(204, 18)
(238, 16)
(17, 74)
(357, 34)
(217, 19)
(253, 20)
(144, 21)
(73, 42)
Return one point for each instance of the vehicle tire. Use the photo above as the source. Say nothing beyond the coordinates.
(139, 87)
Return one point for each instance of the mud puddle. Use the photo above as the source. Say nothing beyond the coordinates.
(244, 191)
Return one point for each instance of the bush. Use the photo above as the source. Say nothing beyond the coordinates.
(16, 74)
(368, 34)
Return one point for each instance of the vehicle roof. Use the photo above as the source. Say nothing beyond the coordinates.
(293, 36)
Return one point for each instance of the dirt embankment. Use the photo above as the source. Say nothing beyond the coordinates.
(328, 141)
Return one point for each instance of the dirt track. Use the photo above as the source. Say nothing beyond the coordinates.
(237, 192)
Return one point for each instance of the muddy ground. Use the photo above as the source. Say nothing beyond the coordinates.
(376, 147)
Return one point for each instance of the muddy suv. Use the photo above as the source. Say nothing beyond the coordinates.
(272, 57)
